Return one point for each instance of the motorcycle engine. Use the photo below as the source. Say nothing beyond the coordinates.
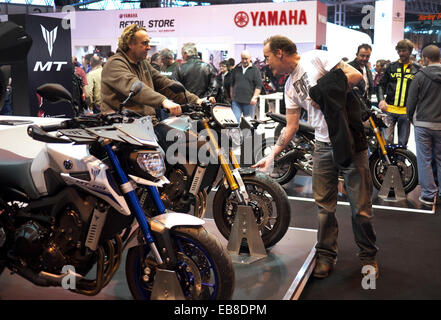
(49, 248)
(29, 240)
(172, 193)
(62, 244)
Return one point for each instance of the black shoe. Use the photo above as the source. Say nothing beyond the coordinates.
(322, 269)
(426, 201)
(372, 264)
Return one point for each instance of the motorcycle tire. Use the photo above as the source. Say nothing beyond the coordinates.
(201, 257)
(269, 202)
(406, 162)
(282, 173)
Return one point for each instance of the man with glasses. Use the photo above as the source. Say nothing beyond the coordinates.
(128, 65)
(395, 83)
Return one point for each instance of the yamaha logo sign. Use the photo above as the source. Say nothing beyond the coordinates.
(270, 18)
(50, 38)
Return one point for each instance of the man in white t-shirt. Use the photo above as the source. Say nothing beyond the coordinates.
(281, 56)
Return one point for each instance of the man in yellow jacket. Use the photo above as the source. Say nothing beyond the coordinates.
(395, 83)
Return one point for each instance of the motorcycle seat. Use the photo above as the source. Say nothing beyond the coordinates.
(15, 172)
(277, 117)
(281, 118)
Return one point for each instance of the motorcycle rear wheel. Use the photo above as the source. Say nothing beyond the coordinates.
(202, 258)
(270, 206)
(282, 173)
(406, 162)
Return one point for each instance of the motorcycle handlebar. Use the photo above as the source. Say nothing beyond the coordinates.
(54, 127)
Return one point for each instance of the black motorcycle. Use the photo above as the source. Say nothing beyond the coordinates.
(191, 181)
(75, 206)
(298, 154)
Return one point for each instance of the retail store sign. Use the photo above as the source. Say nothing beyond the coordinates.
(152, 23)
(270, 18)
(424, 17)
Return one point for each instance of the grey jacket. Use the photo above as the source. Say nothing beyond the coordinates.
(424, 99)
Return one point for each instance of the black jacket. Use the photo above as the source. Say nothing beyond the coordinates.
(244, 84)
(395, 79)
(424, 97)
(370, 90)
(223, 88)
(197, 77)
(342, 115)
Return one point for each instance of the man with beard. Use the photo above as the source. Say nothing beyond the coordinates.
(395, 83)
(360, 63)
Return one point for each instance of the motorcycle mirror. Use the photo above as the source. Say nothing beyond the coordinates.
(135, 88)
(54, 92)
(176, 87)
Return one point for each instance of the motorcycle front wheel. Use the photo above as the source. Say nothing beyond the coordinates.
(204, 269)
(406, 162)
(269, 203)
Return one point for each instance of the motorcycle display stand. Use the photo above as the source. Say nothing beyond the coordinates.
(245, 227)
(392, 181)
(167, 286)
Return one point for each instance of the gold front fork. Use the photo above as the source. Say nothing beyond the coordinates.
(223, 161)
(380, 138)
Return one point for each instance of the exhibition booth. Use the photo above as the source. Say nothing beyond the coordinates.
(220, 32)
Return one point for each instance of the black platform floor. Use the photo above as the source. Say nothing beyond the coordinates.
(409, 257)
(275, 277)
(409, 241)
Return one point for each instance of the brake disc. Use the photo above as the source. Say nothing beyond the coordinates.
(191, 268)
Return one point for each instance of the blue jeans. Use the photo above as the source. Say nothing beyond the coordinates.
(245, 108)
(358, 185)
(428, 147)
(403, 128)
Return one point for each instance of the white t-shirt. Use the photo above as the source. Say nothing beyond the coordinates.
(312, 66)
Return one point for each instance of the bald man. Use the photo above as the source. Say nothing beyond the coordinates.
(246, 84)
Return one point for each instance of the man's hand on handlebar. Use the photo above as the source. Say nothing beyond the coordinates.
(383, 105)
(201, 100)
(174, 108)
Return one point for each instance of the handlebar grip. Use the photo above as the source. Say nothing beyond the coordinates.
(37, 133)
(54, 127)
(186, 108)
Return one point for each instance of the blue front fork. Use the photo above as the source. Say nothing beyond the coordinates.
(134, 204)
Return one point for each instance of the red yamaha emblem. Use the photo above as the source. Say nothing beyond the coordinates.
(241, 19)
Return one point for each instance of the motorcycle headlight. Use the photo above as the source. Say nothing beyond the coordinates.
(152, 163)
(235, 135)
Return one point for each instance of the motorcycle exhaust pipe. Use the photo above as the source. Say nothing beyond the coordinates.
(57, 279)
(290, 156)
(46, 279)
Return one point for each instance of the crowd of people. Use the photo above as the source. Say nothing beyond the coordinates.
(317, 82)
